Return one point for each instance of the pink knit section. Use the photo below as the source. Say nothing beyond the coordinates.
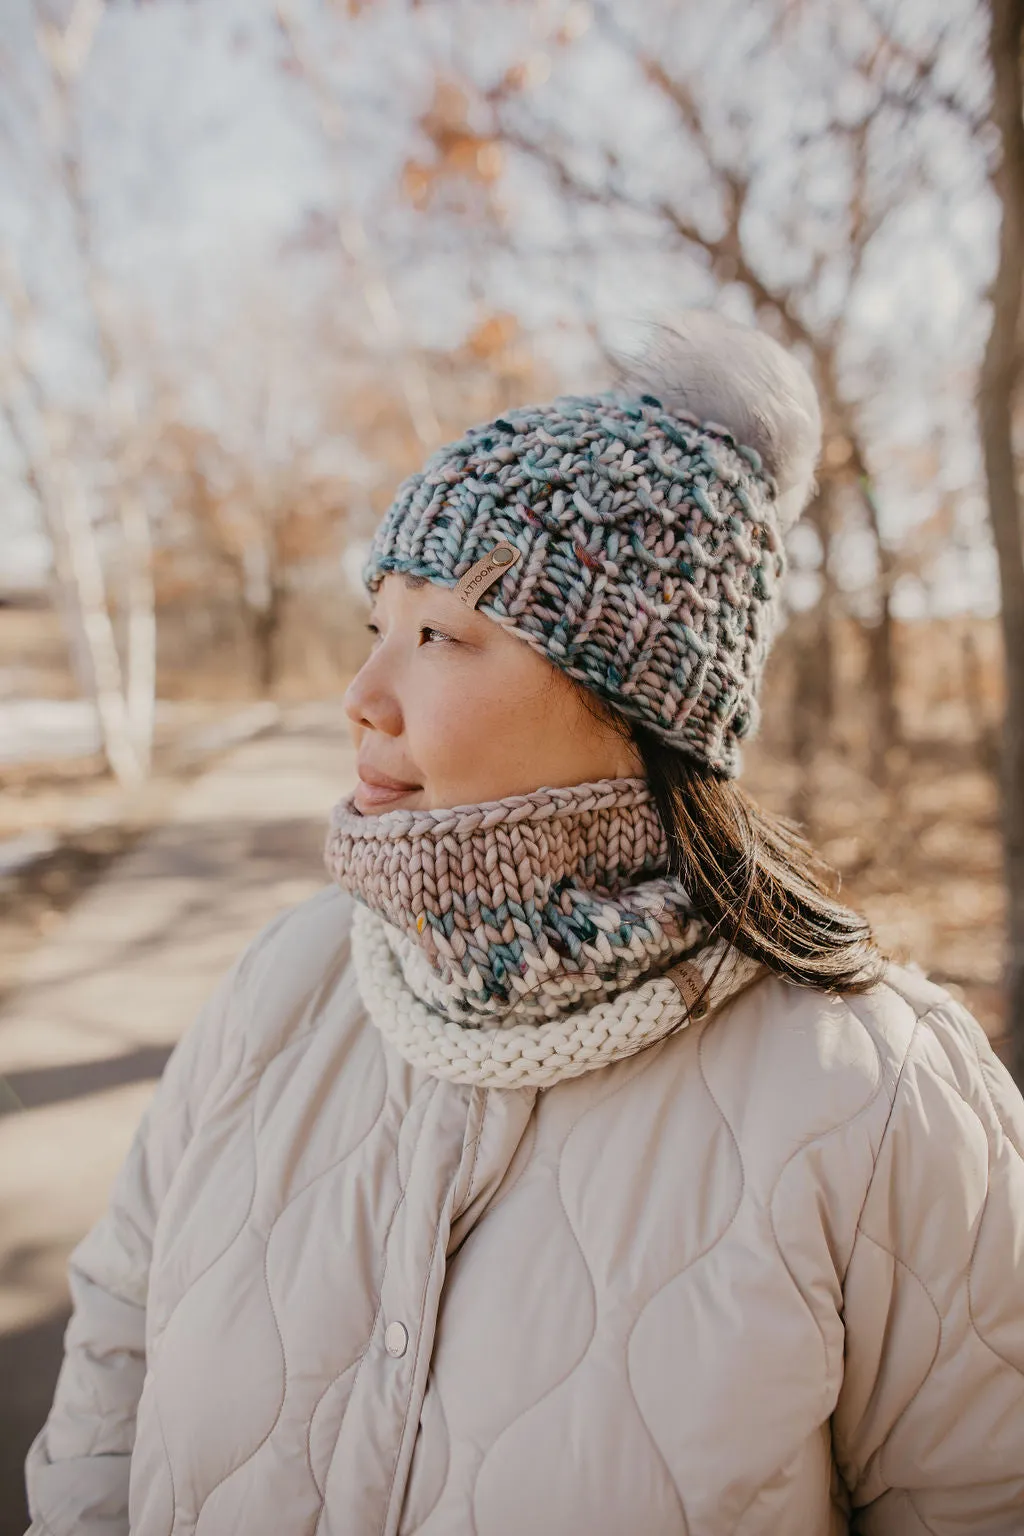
(528, 904)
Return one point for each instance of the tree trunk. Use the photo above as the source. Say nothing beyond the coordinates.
(887, 729)
(996, 394)
(62, 591)
(986, 731)
(89, 586)
(821, 513)
(264, 628)
(814, 690)
(127, 720)
(140, 639)
(77, 575)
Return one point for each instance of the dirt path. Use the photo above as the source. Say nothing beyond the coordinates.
(102, 1001)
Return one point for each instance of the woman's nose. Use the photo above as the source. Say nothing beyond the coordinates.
(370, 702)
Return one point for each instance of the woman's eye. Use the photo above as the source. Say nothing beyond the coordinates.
(437, 634)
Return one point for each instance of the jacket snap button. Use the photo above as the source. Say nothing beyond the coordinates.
(396, 1339)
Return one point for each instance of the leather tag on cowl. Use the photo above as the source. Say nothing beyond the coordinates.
(485, 572)
(692, 988)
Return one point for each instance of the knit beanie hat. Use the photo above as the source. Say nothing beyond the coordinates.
(633, 537)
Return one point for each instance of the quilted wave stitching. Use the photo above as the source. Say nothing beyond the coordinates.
(1011, 1140)
(429, 1088)
(933, 1015)
(691, 1263)
(653, 1443)
(650, 1057)
(195, 1281)
(335, 1381)
(260, 1079)
(302, 1039)
(942, 1012)
(357, 1362)
(419, 1340)
(246, 965)
(443, 1483)
(813, 1141)
(1005, 1359)
(985, 1068)
(167, 1458)
(883, 1248)
(1008, 1131)
(604, 1099)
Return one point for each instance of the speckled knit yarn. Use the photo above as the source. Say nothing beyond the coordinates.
(651, 554)
(512, 1054)
(526, 940)
(522, 907)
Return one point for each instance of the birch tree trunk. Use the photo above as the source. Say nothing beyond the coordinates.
(88, 583)
(127, 720)
(78, 573)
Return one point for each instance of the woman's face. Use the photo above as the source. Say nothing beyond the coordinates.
(450, 709)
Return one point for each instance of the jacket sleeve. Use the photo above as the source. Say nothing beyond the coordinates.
(76, 1471)
(929, 1428)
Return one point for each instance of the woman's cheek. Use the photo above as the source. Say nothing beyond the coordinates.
(442, 720)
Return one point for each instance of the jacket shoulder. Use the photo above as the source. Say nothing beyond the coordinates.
(808, 1048)
(290, 967)
(862, 1039)
(313, 930)
(797, 1071)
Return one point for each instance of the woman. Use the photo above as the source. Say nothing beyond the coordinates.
(573, 1163)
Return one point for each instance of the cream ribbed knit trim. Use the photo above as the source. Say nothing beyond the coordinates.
(535, 1055)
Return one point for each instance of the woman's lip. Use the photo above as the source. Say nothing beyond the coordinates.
(371, 794)
(377, 780)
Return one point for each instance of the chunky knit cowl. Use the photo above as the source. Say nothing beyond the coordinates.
(524, 940)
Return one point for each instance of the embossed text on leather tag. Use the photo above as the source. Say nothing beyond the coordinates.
(690, 984)
(472, 586)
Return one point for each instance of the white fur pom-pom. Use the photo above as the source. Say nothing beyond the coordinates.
(740, 378)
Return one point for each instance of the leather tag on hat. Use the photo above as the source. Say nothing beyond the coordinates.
(472, 586)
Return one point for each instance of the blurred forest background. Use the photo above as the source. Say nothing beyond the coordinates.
(257, 260)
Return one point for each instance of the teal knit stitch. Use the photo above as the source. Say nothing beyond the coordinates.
(651, 554)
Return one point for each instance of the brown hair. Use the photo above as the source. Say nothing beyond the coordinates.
(751, 875)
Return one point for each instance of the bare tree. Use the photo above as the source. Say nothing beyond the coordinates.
(997, 397)
(51, 448)
(48, 453)
(245, 535)
(354, 238)
(66, 52)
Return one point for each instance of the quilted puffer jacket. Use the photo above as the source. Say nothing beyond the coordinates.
(764, 1278)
